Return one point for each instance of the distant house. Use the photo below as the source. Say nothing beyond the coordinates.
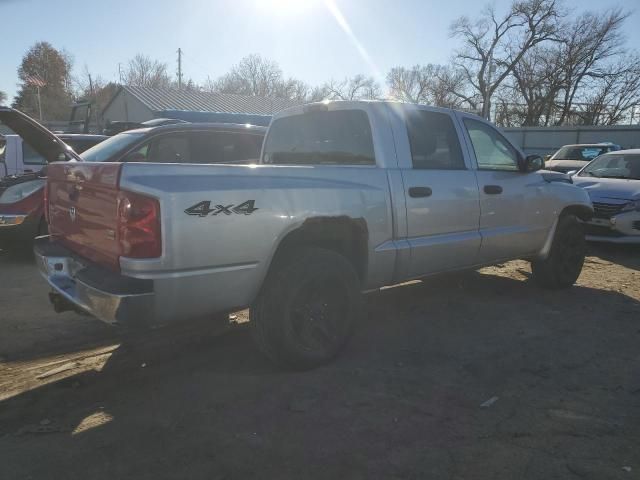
(139, 104)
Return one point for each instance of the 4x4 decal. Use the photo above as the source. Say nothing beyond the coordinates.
(202, 209)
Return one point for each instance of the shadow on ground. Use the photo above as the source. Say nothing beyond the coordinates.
(403, 401)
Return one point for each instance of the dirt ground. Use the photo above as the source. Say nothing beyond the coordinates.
(558, 374)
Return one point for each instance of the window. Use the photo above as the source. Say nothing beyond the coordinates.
(31, 157)
(111, 147)
(493, 151)
(170, 148)
(434, 141)
(225, 147)
(339, 137)
(584, 154)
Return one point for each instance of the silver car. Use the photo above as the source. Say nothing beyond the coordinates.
(613, 183)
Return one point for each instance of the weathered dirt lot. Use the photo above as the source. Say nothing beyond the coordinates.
(404, 400)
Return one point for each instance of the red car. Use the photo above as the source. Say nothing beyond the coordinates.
(21, 198)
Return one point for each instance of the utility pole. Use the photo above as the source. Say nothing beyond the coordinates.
(179, 68)
(120, 72)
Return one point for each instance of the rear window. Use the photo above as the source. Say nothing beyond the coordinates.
(586, 154)
(340, 137)
(80, 146)
(105, 151)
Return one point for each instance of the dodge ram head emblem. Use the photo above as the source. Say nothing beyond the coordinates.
(72, 214)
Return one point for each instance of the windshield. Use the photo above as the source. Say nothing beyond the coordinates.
(614, 166)
(585, 154)
(107, 150)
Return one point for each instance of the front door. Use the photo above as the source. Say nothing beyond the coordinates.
(513, 204)
(441, 196)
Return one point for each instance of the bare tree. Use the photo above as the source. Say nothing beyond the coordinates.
(3, 97)
(358, 87)
(493, 45)
(537, 84)
(253, 75)
(591, 40)
(614, 93)
(142, 71)
(431, 84)
(258, 76)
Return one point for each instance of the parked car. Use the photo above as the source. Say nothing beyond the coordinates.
(574, 157)
(613, 183)
(21, 199)
(182, 143)
(348, 196)
(113, 128)
(17, 157)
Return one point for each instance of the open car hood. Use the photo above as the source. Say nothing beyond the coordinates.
(36, 136)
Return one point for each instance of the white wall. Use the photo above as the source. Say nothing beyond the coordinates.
(546, 140)
(126, 107)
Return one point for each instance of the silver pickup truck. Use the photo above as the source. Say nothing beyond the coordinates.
(347, 197)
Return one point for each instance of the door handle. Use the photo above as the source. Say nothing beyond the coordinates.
(492, 189)
(417, 192)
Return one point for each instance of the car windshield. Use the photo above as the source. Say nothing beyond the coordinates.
(614, 166)
(105, 151)
(585, 153)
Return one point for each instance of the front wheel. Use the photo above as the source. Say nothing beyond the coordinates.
(562, 267)
(307, 308)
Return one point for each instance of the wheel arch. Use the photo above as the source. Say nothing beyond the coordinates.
(342, 234)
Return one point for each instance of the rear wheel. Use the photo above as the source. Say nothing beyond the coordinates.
(563, 266)
(307, 309)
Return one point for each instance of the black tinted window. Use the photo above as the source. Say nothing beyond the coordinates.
(172, 148)
(341, 137)
(434, 141)
(225, 147)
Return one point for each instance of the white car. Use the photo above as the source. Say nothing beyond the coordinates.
(574, 157)
(613, 183)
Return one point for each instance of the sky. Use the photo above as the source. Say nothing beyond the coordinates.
(313, 40)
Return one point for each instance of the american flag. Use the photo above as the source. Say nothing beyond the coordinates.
(35, 81)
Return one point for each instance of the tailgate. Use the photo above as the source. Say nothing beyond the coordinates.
(83, 202)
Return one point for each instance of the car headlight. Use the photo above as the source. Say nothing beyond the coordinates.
(17, 192)
(631, 206)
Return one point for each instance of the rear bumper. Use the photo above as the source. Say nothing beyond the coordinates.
(108, 296)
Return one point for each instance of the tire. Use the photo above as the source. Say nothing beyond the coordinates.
(562, 267)
(307, 309)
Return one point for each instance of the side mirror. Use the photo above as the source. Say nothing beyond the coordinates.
(547, 157)
(531, 163)
(572, 173)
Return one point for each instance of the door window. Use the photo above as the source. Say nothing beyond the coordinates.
(30, 156)
(170, 148)
(225, 147)
(493, 151)
(434, 141)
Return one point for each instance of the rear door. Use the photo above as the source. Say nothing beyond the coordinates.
(441, 192)
(513, 204)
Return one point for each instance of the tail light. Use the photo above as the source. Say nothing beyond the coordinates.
(139, 234)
